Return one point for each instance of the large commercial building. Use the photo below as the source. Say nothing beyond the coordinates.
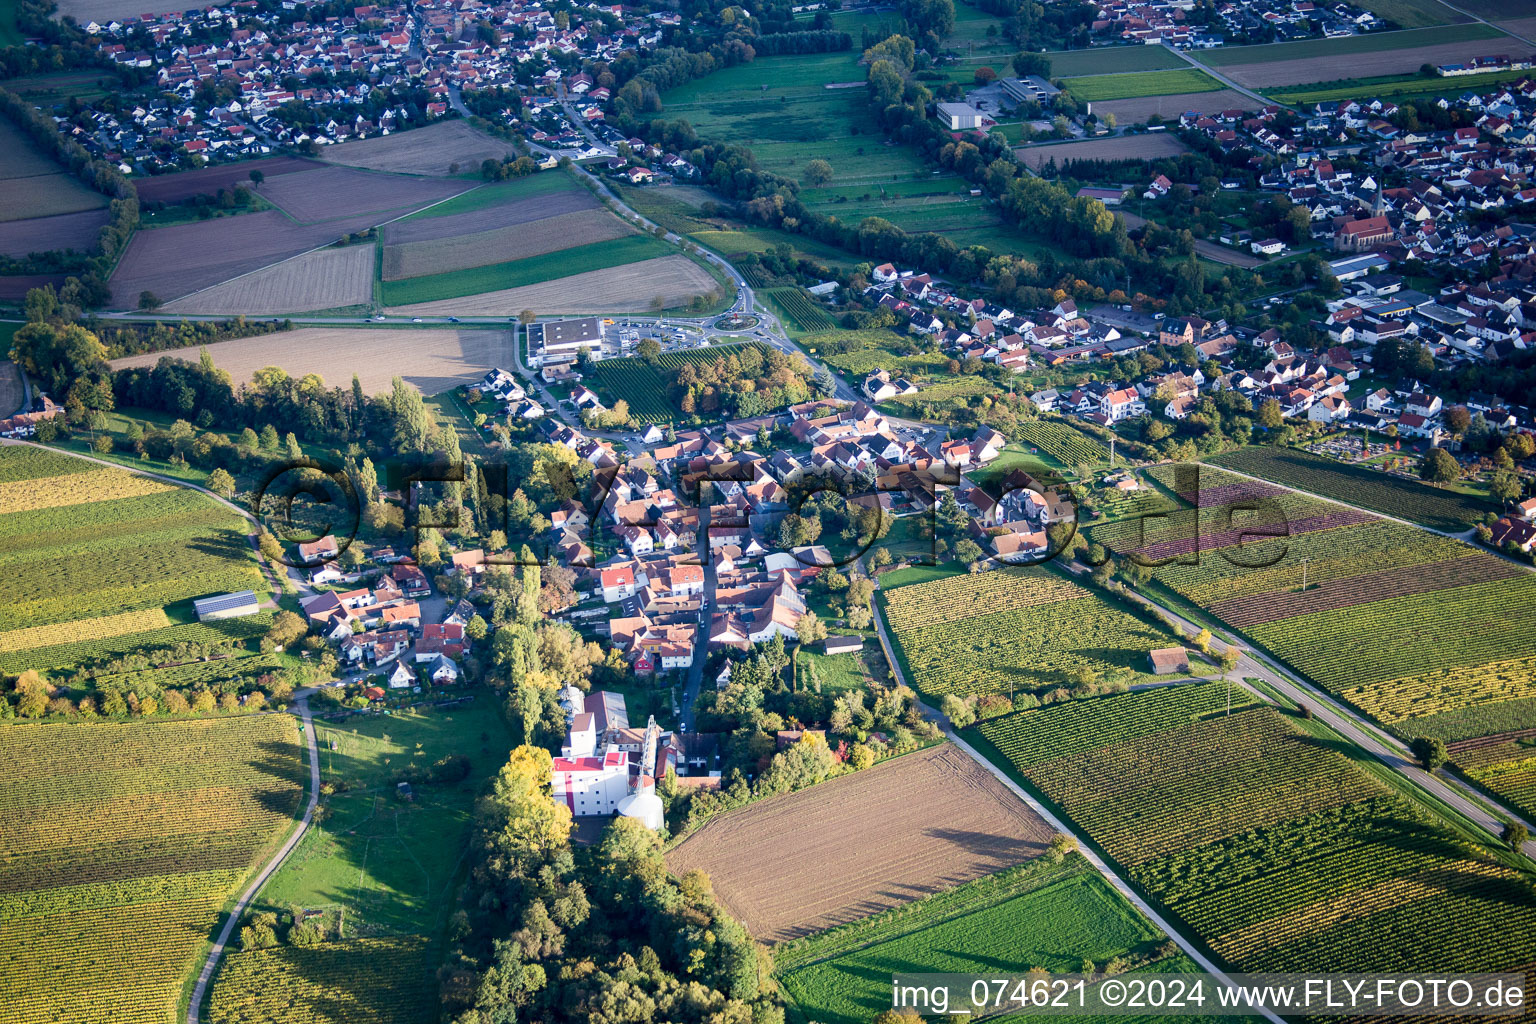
(558, 341)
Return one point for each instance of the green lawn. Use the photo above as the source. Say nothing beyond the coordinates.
(1095, 88)
(1410, 13)
(970, 37)
(1110, 60)
(1375, 42)
(837, 672)
(1072, 916)
(533, 270)
(392, 865)
(920, 574)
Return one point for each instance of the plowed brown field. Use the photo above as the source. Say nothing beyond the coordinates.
(433, 149)
(415, 259)
(324, 279)
(502, 215)
(628, 289)
(173, 188)
(184, 258)
(329, 193)
(800, 863)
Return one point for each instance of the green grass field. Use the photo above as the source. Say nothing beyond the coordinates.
(381, 871)
(778, 107)
(1112, 60)
(123, 842)
(533, 270)
(1070, 914)
(1375, 42)
(1095, 88)
(1411, 13)
(837, 672)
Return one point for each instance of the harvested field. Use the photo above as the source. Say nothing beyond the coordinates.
(15, 288)
(179, 260)
(1138, 110)
(173, 188)
(1133, 147)
(428, 150)
(32, 185)
(324, 279)
(630, 288)
(848, 848)
(1362, 65)
(41, 234)
(85, 11)
(504, 215)
(329, 193)
(415, 259)
(433, 360)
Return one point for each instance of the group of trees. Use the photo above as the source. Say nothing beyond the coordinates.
(601, 933)
(129, 687)
(100, 175)
(749, 381)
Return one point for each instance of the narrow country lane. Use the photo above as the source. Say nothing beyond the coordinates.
(199, 991)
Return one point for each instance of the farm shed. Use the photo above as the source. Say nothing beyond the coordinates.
(1166, 660)
(226, 606)
(842, 644)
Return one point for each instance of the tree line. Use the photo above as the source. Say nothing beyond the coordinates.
(100, 175)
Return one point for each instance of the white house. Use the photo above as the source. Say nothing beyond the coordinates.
(1121, 405)
(585, 781)
(617, 583)
(403, 677)
(1330, 409)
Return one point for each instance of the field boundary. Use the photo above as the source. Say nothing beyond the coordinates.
(200, 989)
(1195, 952)
(318, 248)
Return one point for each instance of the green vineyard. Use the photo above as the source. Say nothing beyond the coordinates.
(122, 843)
(801, 311)
(1012, 631)
(1272, 846)
(1061, 442)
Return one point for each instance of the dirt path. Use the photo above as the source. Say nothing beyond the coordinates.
(194, 1007)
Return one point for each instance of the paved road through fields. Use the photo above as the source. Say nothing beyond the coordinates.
(301, 707)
